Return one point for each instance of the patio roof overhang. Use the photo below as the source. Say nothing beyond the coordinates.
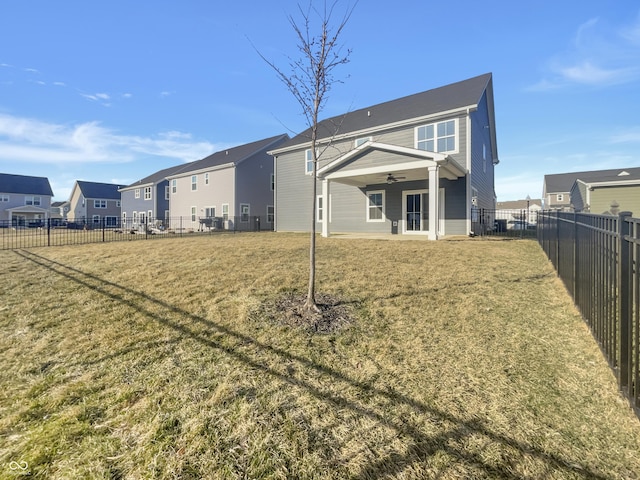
(28, 209)
(410, 163)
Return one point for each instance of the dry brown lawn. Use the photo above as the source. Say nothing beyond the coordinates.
(466, 359)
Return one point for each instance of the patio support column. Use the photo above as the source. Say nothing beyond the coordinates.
(325, 207)
(434, 208)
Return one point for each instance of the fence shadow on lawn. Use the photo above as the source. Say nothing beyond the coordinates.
(422, 445)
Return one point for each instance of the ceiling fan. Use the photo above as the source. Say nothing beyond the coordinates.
(391, 178)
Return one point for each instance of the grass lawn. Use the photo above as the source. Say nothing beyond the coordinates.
(147, 360)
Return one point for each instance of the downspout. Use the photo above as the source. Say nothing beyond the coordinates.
(275, 195)
(468, 176)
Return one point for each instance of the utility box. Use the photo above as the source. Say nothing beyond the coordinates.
(394, 227)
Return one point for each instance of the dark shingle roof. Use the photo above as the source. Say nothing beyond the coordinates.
(160, 175)
(233, 155)
(24, 184)
(562, 182)
(108, 191)
(449, 97)
(519, 204)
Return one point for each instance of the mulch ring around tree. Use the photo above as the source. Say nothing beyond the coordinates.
(289, 309)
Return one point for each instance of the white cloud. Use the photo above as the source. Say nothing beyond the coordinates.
(127, 95)
(628, 136)
(38, 142)
(598, 56)
(59, 84)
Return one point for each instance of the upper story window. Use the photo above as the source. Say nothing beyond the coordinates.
(99, 204)
(4, 198)
(147, 193)
(560, 197)
(174, 185)
(206, 179)
(273, 182)
(194, 182)
(308, 162)
(166, 192)
(33, 200)
(361, 140)
(438, 137)
(137, 193)
(118, 204)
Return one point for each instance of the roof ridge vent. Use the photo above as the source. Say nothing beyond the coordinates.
(623, 173)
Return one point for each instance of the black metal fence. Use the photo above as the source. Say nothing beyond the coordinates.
(516, 223)
(57, 232)
(598, 259)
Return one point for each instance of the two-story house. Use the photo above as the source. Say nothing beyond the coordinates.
(24, 200)
(230, 189)
(94, 204)
(413, 166)
(146, 202)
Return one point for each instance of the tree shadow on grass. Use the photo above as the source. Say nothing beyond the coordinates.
(422, 445)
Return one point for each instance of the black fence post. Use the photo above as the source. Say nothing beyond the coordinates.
(49, 232)
(624, 302)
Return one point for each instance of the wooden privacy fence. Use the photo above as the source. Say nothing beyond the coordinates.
(598, 259)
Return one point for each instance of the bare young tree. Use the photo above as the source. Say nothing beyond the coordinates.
(310, 79)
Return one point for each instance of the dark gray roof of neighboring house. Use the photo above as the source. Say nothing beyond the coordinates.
(58, 204)
(449, 97)
(159, 176)
(519, 204)
(233, 155)
(25, 184)
(108, 191)
(562, 182)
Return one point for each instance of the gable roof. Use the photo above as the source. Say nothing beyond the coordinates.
(158, 176)
(519, 204)
(466, 93)
(25, 184)
(563, 182)
(108, 191)
(232, 156)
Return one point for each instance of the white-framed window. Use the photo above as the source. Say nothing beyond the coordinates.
(99, 203)
(34, 201)
(438, 137)
(150, 214)
(193, 213)
(361, 140)
(244, 212)
(110, 221)
(210, 212)
(375, 206)
(166, 192)
(270, 213)
(308, 161)
(206, 179)
(273, 181)
(147, 193)
(194, 182)
(319, 208)
(118, 203)
(134, 217)
(166, 217)
(124, 219)
(560, 197)
(143, 218)
(4, 198)
(174, 185)
(225, 211)
(136, 193)
(96, 219)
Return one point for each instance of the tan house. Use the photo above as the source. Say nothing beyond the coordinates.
(611, 193)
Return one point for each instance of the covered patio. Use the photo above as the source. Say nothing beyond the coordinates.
(375, 164)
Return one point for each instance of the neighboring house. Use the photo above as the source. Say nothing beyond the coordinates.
(94, 204)
(574, 191)
(59, 210)
(24, 200)
(612, 192)
(231, 189)
(518, 213)
(386, 162)
(147, 200)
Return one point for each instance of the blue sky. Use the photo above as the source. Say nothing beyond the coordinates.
(114, 91)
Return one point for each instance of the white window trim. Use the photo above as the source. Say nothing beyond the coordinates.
(194, 213)
(320, 210)
(174, 186)
(456, 148)
(95, 219)
(96, 205)
(167, 190)
(248, 212)
(308, 162)
(206, 178)
(560, 197)
(272, 180)
(149, 191)
(272, 214)
(4, 198)
(211, 207)
(136, 193)
(194, 184)
(32, 199)
(225, 206)
(384, 216)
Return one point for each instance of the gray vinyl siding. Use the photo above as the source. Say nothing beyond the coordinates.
(161, 203)
(253, 185)
(482, 169)
(131, 204)
(221, 189)
(18, 200)
(293, 193)
(627, 197)
(578, 196)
